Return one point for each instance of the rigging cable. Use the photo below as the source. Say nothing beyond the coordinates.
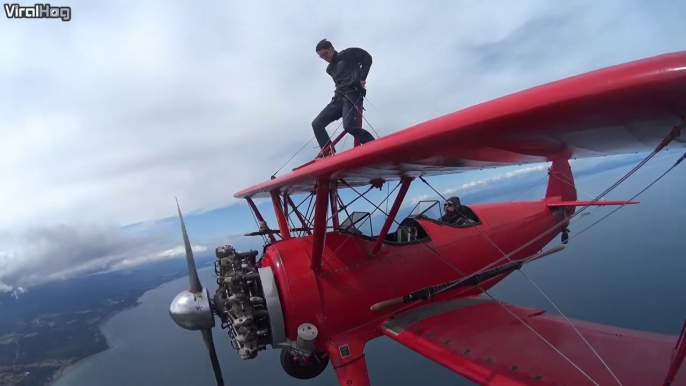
(353, 224)
(529, 188)
(531, 281)
(313, 137)
(562, 179)
(487, 293)
(673, 134)
(265, 239)
(631, 199)
(362, 115)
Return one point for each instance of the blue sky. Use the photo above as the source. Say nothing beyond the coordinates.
(110, 116)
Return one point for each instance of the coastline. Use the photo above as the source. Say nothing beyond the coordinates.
(58, 374)
(61, 372)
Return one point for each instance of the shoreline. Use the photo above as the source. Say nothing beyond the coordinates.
(63, 370)
(58, 374)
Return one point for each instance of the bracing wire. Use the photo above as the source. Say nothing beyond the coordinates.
(370, 219)
(631, 199)
(507, 256)
(562, 179)
(529, 188)
(534, 284)
(313, 137)
(577, 234)
(485, 292)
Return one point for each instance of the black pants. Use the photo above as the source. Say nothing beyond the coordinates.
(341, 107)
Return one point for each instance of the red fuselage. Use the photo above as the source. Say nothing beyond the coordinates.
(337, 297)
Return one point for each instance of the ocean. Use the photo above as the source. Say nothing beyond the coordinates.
(625, 271)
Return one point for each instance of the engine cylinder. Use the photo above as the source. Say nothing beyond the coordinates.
(240, 301)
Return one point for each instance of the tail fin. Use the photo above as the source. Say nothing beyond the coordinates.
(561, 185)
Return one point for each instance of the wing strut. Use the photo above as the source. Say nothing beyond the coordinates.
(678, 358)
(303, 222)
(321, 202)
(391, 216)
(280, 211)
(486, 292)
(333, 194)
(260, 219)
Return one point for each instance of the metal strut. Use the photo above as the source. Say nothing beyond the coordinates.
(391, 216)
(489, 295)
(428, 293)
(674, 133)
(320, 209)
(679, 355)
(333, 193)
(298, 214)
(348, 214)
(280, 215)
(262, 224)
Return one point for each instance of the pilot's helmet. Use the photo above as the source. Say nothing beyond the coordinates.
(455, 201)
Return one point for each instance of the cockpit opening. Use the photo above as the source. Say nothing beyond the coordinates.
(410, 231)
(361, 224)
(452, 213)
(358, 223)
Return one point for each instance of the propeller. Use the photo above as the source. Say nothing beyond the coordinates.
(192, 309)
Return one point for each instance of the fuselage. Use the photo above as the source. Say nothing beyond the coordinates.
(337, 296)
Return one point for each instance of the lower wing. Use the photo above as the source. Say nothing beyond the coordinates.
(483, 341)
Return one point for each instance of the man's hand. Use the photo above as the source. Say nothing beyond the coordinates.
(363, 82)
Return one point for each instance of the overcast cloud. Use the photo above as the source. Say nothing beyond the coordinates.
(107, 117)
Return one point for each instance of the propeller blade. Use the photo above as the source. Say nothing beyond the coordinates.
(193, 309)
(209, 343)
(196, 287)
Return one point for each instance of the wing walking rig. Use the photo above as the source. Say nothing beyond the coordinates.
(323, 289)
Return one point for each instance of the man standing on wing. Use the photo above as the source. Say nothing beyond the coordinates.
(349, 69)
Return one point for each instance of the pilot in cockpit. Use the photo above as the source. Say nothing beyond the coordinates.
(454, 214)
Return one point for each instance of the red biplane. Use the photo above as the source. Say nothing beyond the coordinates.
(322, 290)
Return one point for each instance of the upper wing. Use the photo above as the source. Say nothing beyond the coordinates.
(479, 339)
(625, 108)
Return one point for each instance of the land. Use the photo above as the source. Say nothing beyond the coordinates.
(57, 324)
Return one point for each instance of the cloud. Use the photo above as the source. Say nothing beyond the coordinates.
(176, 252)
(64, 251)
(181, 251)
(498, 178)
(4, 287)
(474, 186)
(107, 117)
(116, 105)
(18, 291)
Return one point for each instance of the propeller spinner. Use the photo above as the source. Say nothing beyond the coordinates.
(192, 309)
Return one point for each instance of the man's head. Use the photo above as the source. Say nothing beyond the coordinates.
(452, 204)
(325, 50)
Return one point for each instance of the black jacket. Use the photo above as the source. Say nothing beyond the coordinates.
(348, 68)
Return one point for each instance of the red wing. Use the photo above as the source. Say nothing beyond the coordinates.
(615, 110)
(479, 339)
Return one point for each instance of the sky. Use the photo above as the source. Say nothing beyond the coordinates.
(110, 116)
